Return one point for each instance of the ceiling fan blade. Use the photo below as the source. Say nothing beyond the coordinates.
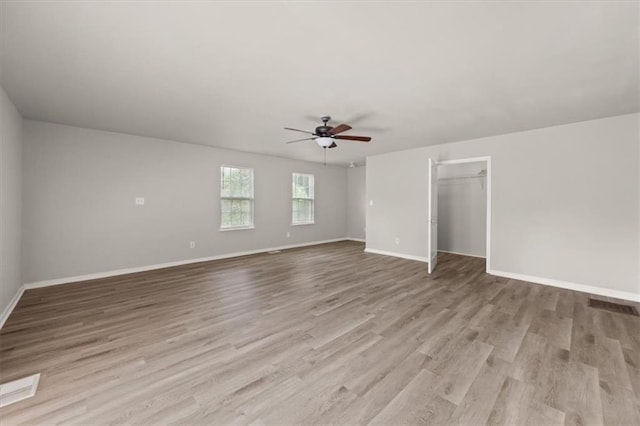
(339, 129)
(300, 140)
(353, 138)
(298, 130)
(333, 145)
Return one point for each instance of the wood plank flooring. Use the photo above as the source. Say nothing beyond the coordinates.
(319, 335)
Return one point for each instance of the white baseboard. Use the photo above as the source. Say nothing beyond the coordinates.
(538, 280)
(11, 306)
(360, 240)
(461, 254)
(404, 256)
(67, 280)
(617, 294)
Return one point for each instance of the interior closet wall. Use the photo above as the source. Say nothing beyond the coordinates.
(462, 209)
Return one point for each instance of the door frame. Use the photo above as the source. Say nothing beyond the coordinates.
(486, 160)
(433, 224)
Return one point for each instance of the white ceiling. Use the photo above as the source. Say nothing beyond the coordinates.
(233, 74)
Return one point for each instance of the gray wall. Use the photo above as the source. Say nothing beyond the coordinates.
(80, 216)
(356, 200)
(462, 209)
(10, 200)
(564, 201)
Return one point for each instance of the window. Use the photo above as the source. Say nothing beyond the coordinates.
(236, 197)
(302, 199)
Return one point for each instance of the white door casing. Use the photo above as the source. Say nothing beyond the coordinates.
(433, 215)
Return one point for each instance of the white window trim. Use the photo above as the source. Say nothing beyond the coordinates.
(236, 228)
(313, 200)
(252, 199)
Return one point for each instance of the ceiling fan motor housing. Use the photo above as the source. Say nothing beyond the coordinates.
(323, 130)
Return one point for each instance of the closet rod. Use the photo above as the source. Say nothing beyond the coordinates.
(463, 177)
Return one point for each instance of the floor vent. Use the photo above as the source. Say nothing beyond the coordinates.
(274, 252)
(18, 390)
(614, 307)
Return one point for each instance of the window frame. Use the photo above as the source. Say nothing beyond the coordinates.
(251, 199)
(312, 199)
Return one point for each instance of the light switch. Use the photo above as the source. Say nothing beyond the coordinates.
(139, 201)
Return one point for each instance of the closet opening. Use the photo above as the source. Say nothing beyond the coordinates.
(460, 209)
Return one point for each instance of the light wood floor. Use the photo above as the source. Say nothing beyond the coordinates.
(324, 334)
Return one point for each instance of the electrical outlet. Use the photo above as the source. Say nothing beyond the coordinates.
(397, 240)
(139, 201)
(192, 244)
(288, 234)
(371, 203)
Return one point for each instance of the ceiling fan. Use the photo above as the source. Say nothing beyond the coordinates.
(326, 135)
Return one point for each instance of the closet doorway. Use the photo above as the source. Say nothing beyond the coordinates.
(460, 208)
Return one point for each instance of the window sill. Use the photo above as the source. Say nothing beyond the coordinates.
(236, 228)
(303, 223)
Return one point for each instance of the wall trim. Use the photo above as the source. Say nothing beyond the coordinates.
(106, 274)
(403, 256)
(360, 240)
(600, 291)
(522, 277)
(11, 306)
(461, 254)
(617, 294)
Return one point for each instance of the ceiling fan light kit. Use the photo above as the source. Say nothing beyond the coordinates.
(324, 141)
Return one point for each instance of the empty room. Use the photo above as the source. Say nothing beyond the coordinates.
(320, 212)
